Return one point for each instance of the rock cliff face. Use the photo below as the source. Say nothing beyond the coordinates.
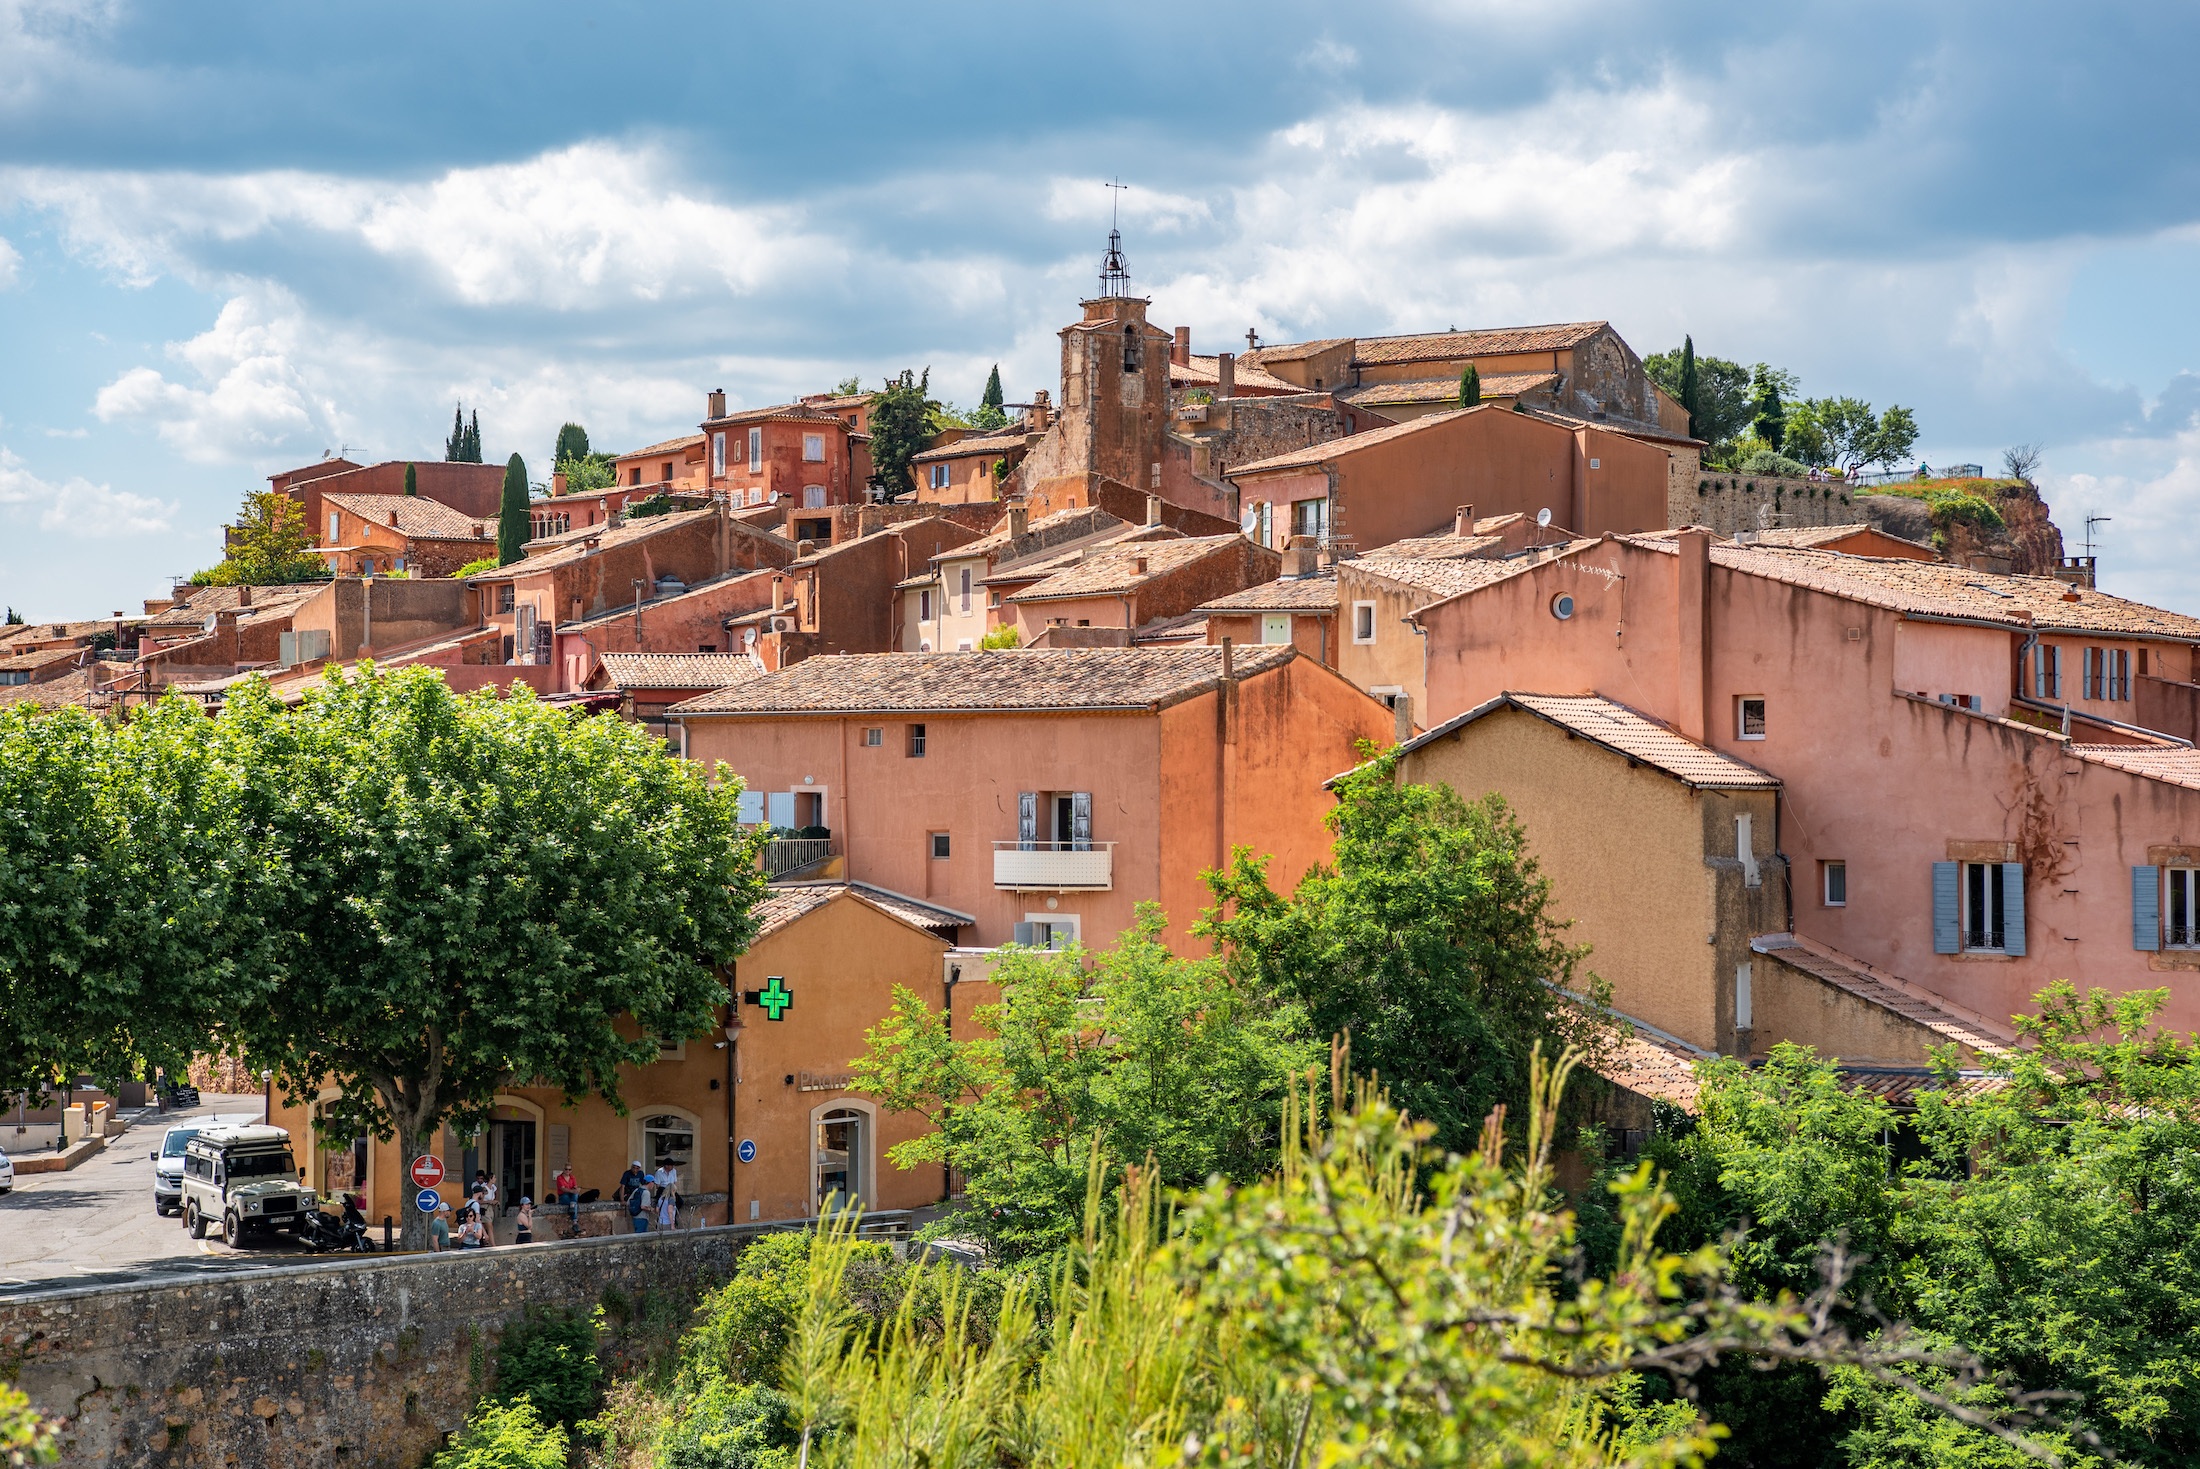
(2029, 543)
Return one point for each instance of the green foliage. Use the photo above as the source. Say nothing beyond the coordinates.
(270, 545)
(412, 479)
(1768, 461)
(1470, 386)
(1769, 388)
(742, 1329)
(505, 1436)
(657, 504)
(515, 523)
(549, 1359)
(1844, 433)
(1721, 408)
(1004, 636)
(902, 427)
(990, 414)
(1128, 1054)
(469, 892)
(24, 1437)
(14, 619)
(1960, 507)
(848, 387)
(572, 444)
(1688, 390)
(464, 444)
(476, 568)
(123, 857)
(726, 1426)
(585, 474)
(1431, 941)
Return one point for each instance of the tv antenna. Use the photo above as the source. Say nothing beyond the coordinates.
(2090, 522)
(1115, 276)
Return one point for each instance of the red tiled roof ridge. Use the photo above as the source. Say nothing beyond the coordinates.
(1315, 454)
(1889, 991)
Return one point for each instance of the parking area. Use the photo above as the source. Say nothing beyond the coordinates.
(95, 1223)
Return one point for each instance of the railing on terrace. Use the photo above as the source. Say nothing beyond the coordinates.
(791, 854)
(1923, 471)
(1054, 866)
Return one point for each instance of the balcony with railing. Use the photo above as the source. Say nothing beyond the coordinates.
(785, 856)
(1027, 866)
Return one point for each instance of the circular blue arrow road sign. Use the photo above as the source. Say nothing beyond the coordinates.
(747, 1150)
(429, 1201)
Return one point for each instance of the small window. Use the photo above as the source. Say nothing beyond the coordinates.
(1836, 886)
(916, 742)
(939, 846)
(634, 475)
(813, 497)
(813, 448)
(1983, 905)
(1363, 622)
(756, 450)
(706, 647)
(507, 596)
(874, 737)
(1750, 720)
(2181, 929)
(924, 605)
(1596, 464)
(1562, 606)
(1275, 627)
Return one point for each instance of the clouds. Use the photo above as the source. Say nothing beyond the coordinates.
(76, 507)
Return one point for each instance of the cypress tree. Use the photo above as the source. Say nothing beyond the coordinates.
(412, 479)
(993, 393)
(572, 444)
(513, 524)
(473, 439)
(1691, 384)
(454, 447)
(1470, 386)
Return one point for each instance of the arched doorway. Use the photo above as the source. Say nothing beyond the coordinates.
(837, 1170)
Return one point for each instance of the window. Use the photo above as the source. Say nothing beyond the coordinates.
(813, 497)
(506, 595)
(1132, 348)
(939, 846)
(333, 523)
(1836, 885)
(756, 497)
(1363, 622)
(1562, 607)
(665, 473)
(2119, 673)
(1310, 518)
(706, 647)
(2047, 672)
(2183, 929)
(839, 1158)
(966, 591)
(1596, 464)
(813, 448)
(874, 737)
(634, 475)
(756, 450)
(924, 605)
(717, 455)
(1275, 627)
(916, 742)
(938, 476)
(1983, 898)
(667, 1138)
(1750, 718)
(1047, 931)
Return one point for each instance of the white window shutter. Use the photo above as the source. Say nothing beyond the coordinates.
(2146, 909)
(1027, 819)
(781, 806)
(1947, 928)
(1080, 820)
(751, 804)
(2012, 908)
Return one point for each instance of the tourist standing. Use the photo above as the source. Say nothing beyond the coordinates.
(526, 1231)
(637, 1208)
(569, 1193)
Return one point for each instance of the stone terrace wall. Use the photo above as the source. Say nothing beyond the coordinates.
(1727, 503)
(367, 1361)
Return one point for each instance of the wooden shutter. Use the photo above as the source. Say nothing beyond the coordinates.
(2146, 909)
(1080, 820)
(1027, 934)
(561, 1146)
(750, 806)
(2012, 908)
(1947, 926)
(1027, 820)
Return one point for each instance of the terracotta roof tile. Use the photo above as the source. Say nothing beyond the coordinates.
(1486, 341)
(679, 670)
(1048, 530)
(1183, 630)
(784, 902)
(1446, 389)
(1625, 732)
(1440, 577)
(2171, 765)
(416, 515)
(1004, 681)
(1315, 455)
(1206, 372)
(32, 662)
(578, 547)
(1117, 568)
(207, 600)
(1857, 978)
(1001, 441)
(75, 687)
(1654, 1067)
(1317, 593)
(1810, 537)
(669, 446)
(801, 411)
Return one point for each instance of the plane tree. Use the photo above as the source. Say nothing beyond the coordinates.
(467, 893)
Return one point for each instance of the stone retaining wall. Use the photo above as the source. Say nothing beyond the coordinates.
(366, 1362)
(1729, 503)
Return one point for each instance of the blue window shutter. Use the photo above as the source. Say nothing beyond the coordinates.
(1027, 820)
(1947, 932)
(1027, 933)
(751, 811)
(2012, 908)
(2146, 909)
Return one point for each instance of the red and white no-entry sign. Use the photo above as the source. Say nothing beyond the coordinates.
(427, 1170)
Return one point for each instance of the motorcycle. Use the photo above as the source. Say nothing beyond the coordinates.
(337, 1234)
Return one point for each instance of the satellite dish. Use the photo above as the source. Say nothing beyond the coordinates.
(1543, 516)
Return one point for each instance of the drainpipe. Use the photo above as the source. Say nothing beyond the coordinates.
(1691, 691)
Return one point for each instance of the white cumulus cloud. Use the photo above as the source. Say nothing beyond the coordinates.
(76, 506)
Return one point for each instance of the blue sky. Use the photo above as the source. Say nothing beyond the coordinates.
(237, 235)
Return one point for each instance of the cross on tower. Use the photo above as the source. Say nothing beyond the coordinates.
(1252, 339)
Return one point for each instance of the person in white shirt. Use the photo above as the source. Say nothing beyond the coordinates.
(668, 1194)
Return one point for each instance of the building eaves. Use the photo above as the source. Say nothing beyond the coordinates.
(1887, 993)
(1317, 593)
(680, 670)
(1002, 442)
(1484, 341)
(1625, 732)
(1118, 569)
(1315, 456)
(2169, 765)
(669, 446)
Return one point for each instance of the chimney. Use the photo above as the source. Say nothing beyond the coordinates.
(1019, 518)
(1227, 674)
(715, 404)
(804, 548)
(1181, 353)
(1138, 566)
(1042, 410)
(1301, 556)
(1464, 526)
(1692, 680)
(1153, 510)
(1402, 709)
(779, 594)
(480, 533)
(244, 596)
(1226, 375)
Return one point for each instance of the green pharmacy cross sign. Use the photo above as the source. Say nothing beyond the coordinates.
(775, 998)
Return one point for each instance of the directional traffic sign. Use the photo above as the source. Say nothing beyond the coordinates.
(428, 1201)
(747, 1150)
(427, 1170)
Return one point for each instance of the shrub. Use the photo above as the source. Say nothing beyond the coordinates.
(1959, 507)
(1767, 461)
(549, 1360)
(505, 1436)
(475, 568)
(1001, 637)
(742, 1329)
(730, 1426)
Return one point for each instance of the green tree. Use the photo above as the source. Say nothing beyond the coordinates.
(515, 523)
(1893, 437)
(1430, 941)
(1722, 410)
(476, 568)
(269, 545)
(412, 479)
(505, 1436)
(1130, 1052)
(1689, 390)
(990, 413)
(472, 892)
(464, 444)
(901, 428)
(1470, 386)
(585, 476)
(1769, 388)
(15, 618)
(572, 444)
(549, 1359)
(848, 387)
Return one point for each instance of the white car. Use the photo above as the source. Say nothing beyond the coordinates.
(168, 1159)
(7, 1173)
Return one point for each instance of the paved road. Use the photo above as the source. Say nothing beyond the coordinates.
(95, 1223)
